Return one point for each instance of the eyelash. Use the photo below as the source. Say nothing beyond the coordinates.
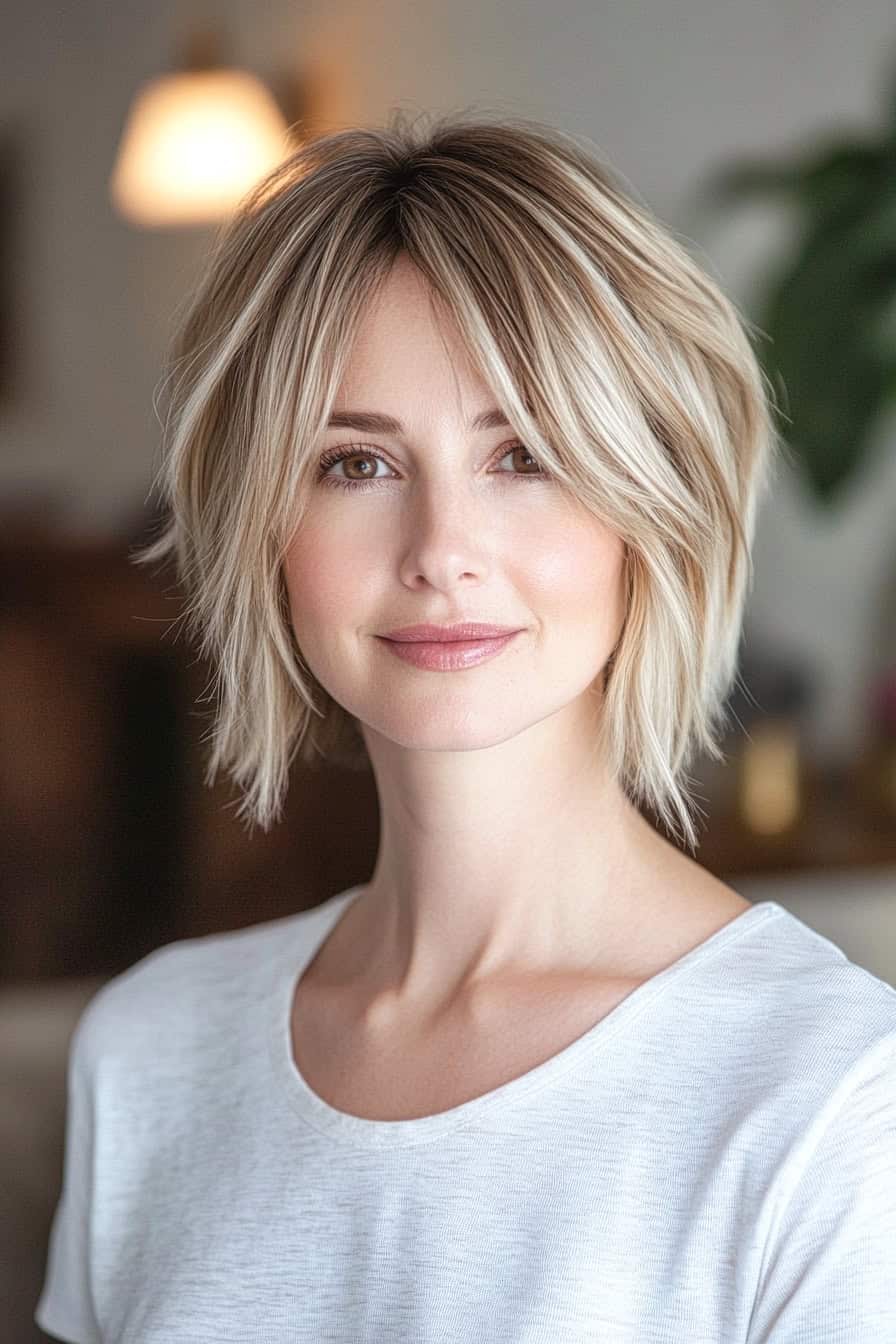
(335, 455)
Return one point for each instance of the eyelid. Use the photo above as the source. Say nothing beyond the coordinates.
(342, 450)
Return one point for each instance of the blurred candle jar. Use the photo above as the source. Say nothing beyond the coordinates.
(769, 704)
(770, 784)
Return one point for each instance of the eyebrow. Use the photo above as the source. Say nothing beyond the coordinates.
(372, 422)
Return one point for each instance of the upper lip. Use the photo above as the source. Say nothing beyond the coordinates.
(446, 634)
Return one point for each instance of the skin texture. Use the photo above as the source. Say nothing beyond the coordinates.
(511, 873)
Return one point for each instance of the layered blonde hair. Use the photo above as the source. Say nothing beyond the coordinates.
(617, 360)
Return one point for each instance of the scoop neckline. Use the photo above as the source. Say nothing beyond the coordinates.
(302, 942)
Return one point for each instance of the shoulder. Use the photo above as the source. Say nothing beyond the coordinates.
(792, 1002)
(816, 979)
(181, 989)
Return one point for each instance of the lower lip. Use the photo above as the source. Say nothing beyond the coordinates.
(449, 656)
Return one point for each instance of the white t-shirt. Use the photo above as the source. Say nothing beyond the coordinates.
(714, 1162)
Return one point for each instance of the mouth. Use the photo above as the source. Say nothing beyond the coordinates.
(462, 632)
(447, 655)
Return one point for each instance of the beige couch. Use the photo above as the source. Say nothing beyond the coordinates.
(36, 1023)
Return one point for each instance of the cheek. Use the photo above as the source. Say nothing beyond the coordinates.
(580, 569)
(320, 581)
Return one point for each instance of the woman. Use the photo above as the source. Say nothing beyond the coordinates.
(542, 1077)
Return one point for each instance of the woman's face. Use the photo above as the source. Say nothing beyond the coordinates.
(454, 524)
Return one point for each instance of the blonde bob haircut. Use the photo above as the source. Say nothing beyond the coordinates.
(615, 358)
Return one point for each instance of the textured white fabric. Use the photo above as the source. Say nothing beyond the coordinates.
(714, 1162)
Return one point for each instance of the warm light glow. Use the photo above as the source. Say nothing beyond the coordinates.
(770, 779)
(193, 145)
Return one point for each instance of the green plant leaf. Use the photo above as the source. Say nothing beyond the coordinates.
(829, 311)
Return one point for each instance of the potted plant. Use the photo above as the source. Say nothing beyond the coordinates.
(829, 310)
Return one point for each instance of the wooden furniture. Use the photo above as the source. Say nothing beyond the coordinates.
(837, 829)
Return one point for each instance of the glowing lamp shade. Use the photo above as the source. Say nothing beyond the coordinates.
(193, 145)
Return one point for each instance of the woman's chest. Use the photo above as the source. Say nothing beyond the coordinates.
(562, 1218)
(406, 1074)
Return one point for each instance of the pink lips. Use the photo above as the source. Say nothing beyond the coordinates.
(446, 655)
(437, 634)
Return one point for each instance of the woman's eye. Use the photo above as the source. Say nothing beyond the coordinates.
(523, 452)
(346, 454)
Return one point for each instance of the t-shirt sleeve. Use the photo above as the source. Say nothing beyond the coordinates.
(65, 1308)
(829, 1271)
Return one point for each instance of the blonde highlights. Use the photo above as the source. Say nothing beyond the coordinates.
(615, 357)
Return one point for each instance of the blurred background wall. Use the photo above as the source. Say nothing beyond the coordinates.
(110, 844)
